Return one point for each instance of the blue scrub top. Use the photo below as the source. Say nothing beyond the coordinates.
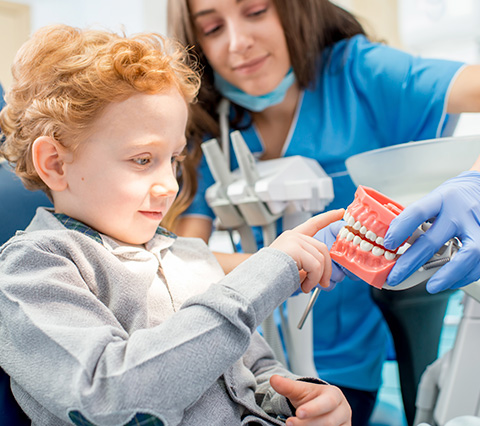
(366, 96)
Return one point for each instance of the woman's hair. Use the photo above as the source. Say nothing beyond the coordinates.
(310, 26)
(64, 77)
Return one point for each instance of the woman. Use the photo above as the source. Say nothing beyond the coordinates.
(303, 79)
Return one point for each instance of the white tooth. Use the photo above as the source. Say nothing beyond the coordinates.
(343, 232)
(389, 255)
(350, 221)
(403, 249)
(356, 240)
(379, 241)
(371, 235)
(357, 225)
(377, 251)
(350, 236)
(346, 216)
(365, 246)
(363, 230)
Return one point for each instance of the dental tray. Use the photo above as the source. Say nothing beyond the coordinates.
(409, 171)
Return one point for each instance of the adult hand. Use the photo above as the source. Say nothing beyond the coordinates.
(455, 208)
(311, 255)
(315, 404)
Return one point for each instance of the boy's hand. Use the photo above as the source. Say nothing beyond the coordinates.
(315, 404)
(310, 254)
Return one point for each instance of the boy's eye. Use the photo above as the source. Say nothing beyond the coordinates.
(178, 158)
(141, 161)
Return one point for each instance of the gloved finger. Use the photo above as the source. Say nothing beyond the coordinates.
(462, 270)
(331, 286)
(422, 250)
(336, 226)
(349, 274)
(328, 234)
(338, 273)
(404, 225)
(411, 260)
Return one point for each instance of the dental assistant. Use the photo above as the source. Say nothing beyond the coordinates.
(303, 79)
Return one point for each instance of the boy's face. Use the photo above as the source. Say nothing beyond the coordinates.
(122, 179)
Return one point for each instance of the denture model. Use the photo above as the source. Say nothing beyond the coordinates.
(359, 244)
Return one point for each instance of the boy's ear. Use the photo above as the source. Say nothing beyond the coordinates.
(49, 158)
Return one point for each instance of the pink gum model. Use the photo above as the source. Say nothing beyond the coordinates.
(359, 244)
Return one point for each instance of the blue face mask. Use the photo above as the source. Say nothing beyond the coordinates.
(254, 103)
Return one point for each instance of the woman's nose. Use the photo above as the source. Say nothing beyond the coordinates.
(240, 38)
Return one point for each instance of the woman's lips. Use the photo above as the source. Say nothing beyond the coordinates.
(251, 66)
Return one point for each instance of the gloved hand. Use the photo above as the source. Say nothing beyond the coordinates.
(455, 206)
(327, 236)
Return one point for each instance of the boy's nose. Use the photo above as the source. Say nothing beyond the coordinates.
(167, 188)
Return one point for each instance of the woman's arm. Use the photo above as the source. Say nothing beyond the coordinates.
(465, 92)
(194, 227)
(201, 227)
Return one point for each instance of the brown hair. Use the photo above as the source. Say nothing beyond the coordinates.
(310, 26)
(64, 77)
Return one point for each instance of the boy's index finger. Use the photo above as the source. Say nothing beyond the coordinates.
(320, 221)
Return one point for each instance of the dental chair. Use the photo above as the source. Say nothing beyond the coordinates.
(17, 208)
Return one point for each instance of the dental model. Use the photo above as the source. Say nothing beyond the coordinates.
(359, 244)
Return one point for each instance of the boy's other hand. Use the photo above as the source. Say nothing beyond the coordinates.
(311, 255)
(315, 404)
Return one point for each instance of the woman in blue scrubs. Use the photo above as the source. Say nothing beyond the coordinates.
(303, 79)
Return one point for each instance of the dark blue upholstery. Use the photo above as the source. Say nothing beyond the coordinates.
(17, 204)
(17, 207)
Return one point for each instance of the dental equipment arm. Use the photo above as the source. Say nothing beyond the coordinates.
(454, 208)
(226, 212)
(289, 187)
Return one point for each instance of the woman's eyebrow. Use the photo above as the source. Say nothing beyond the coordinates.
(202, 13)
(207, 11)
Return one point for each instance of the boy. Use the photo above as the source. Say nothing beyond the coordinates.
(105, 318)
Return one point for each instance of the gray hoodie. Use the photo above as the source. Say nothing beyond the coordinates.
(77, 335)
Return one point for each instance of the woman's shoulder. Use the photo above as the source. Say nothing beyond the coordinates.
(360, 57)
(350, 49)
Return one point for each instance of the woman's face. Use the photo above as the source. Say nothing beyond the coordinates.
(243, 41)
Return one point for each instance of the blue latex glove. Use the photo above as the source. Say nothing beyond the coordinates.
(455, 205)
(327, 236)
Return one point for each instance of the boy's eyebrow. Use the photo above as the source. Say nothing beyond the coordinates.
(140, 144)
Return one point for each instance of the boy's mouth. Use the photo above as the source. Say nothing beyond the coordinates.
(359, 244)
(154, 215)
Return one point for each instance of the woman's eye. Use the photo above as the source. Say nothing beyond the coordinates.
(257, 12)
(141, 161)
(211, 30)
